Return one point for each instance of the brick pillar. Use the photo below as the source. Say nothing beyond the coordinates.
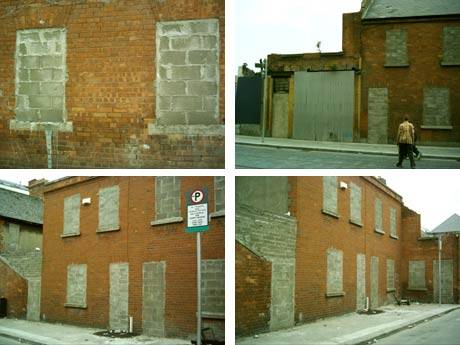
(36, 188)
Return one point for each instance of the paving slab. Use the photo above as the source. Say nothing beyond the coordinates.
(378, 149)
(43, 333)
(352, 328)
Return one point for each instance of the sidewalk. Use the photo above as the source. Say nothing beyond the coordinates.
(41, 333)
(378, 149)
(352, 328)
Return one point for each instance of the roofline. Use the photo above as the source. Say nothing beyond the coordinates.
(21, 220)
(384, 187)
(66, 181)
(429, 18)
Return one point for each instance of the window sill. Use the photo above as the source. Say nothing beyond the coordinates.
(99, 231)
(79, 306)
(211, 315)
(167, 221)
(379, 231)
(70, 235)
(447, 64)
(335, 294)
(436, 127)
(355, 223)
(417, 289)
(394, 237)
(391, 290)
(396, 65)
(199, 130)
(41, 126)
(330, 213)
(217, 214)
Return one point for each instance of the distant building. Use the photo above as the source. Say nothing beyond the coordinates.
(397, 58)
(21, 222)
(313, 247)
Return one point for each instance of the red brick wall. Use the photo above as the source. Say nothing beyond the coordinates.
(415, 248)
(110, 95)
(13, 287)
(316, 232)
(252, 292)
(136, 242)
(405, 85)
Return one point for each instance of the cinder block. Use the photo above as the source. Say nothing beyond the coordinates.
(23, 75)
(30, 62)
(52, 88)
(40, 102)
(204, 26)
(172, 58)
(28, 88)
(164, 103)
(171, 88)
(22, 49)
(29, 36)
(38, 48)
(202, 118)
(27, 115)
(186, 72)
(51, 61)
(209, 42)
(54, 35)
(41, 74)
(52, 115)
(186, 43)
(210, 103)
(176, 28)
(202, 88)
(202, 57)
(58, 75)
(186, 103)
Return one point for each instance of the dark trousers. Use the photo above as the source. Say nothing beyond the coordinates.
(415, 150)
(406, 150)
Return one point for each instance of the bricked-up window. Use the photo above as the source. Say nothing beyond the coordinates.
(330, 195)
(219, 196)
(71, 216)
(109, 209)
(40, 75)
(436, 108)
(355, 204)
(76, 286)
(378, 216)
(393, 231)
(187, 72)
(451, 46)
(417, 275)
(167, 200)
(213, 286)
(280, 85)
(334, 272)
(396, 48)
(390, 275)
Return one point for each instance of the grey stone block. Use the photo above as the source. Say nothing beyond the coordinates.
(171, 118)
(29, 88)
(186, 72)
(41, 74)
(23, 75)
(51, 61)
(210, 103)
(30, 62)
(55, 35)
(175, 28)
(202, 88)
(204, 26)
(202, 117)
(187, 103)
(22, 49)
(202, 57)
(58, 75)
(52, 115)
(164, 43)
(172, 58)
(208, 42)
(164, 103)
(40, 102)
(27, 115)
(52, 88)
(171, 88)
(29, 36)
(186, 43)
(38, 48)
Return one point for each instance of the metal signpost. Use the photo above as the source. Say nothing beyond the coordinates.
(197, 221)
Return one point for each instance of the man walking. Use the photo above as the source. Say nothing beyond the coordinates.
(405, 140)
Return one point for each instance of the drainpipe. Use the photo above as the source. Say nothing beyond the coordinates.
(49, 146)
(264, 104)
(439, 267)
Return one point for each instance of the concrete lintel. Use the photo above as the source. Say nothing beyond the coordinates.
(167, 221)
(379, 231)
(98, 231)
(41, 126)
(217, 214)
(436, 127)
(70, 235)
(330, 213)
(71, 305)
(351, 221)
(200, 130)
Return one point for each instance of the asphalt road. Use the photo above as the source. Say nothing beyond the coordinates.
(9, 341)
(249, 156)
(444, 330)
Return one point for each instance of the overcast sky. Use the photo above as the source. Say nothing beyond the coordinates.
(434, 194)
(290, 26)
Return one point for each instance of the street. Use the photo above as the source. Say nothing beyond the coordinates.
(443, 330)
(9, 341)
(249, 156)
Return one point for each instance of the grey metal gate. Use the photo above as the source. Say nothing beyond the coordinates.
(324, 106)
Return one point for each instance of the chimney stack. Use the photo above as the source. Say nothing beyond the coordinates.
(36, 188)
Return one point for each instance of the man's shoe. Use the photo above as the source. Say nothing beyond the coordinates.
(419, 156)
(399, 165)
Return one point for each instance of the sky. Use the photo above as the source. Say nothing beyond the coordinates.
(291, 26)
(433, 194)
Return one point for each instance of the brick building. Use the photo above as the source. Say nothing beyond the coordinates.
(397, 58)
(115, 247)
(112, 83)
(312, 247)
(21, 221)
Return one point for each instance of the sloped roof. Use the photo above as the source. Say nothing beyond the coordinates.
(450, 225)
(20, 206)
(382, 9)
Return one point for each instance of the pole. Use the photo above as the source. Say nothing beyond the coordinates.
(198, 285)
(264, 104)
(439, 267)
